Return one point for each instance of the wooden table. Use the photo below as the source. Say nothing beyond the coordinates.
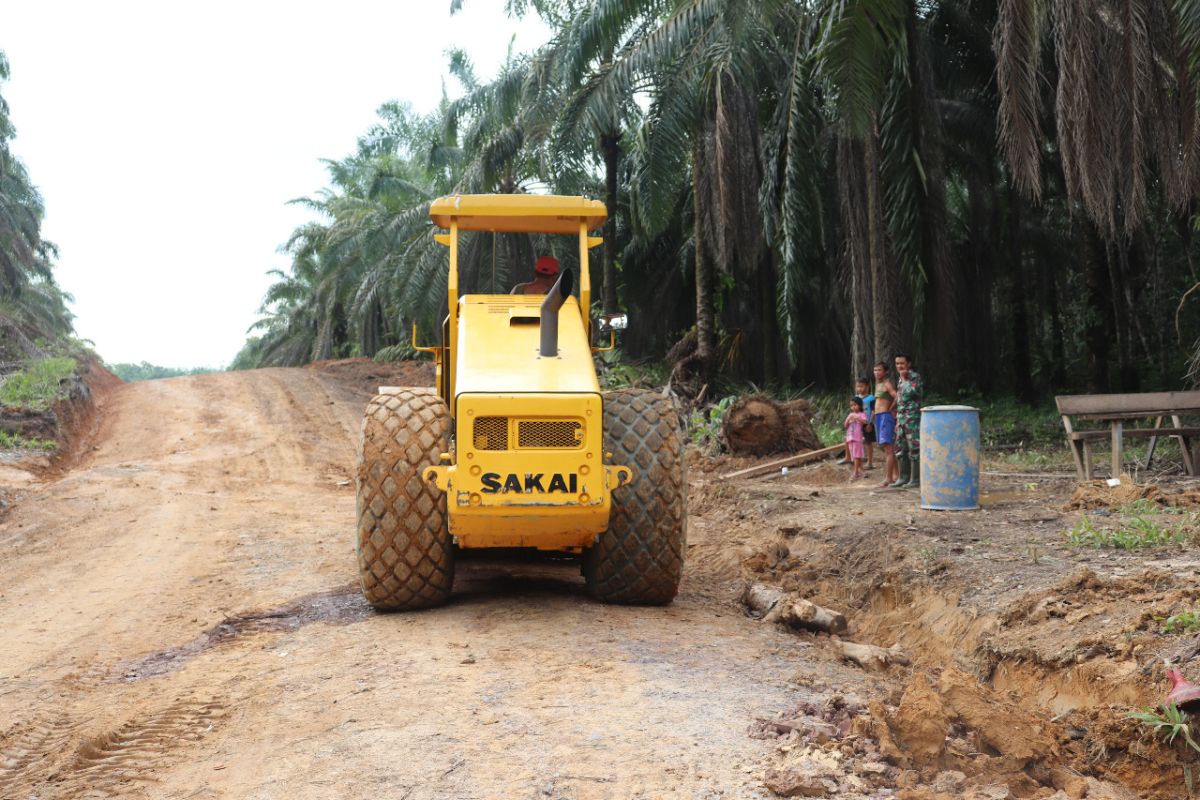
(1116, 410)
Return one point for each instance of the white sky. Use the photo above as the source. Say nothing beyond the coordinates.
(167, 137)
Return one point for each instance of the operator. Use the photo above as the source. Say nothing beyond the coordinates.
(545, 274)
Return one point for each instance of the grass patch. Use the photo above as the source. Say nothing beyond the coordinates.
(39, 385)
(1006, 423)
(1167, 723)
(1146, 508)
(829, 410)
(11, 441)
(1138, 532)
(1183, 622)
(615, 372)
(1042, 458)
(704, 425)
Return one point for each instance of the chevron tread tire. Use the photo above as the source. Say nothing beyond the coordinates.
(639, 559)
(405, 552)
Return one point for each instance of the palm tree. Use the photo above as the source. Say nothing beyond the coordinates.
(29, 296)
(370, 260)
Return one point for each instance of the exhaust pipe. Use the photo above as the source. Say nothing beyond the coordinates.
(550, 306)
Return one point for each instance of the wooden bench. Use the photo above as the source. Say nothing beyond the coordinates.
(1116, 410)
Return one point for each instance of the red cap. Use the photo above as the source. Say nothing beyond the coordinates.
(546, 265)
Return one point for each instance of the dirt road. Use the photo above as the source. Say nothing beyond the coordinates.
(181, 620)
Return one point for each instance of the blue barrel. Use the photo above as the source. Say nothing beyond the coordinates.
(950, 458)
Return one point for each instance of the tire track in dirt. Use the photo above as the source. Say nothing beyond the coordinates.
(31, 752)
(141, 745)
(61, 757)
(208, 533)
(307, 418)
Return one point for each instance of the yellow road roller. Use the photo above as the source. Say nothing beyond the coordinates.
(517, 446)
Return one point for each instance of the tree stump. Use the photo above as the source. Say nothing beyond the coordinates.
(758, 425)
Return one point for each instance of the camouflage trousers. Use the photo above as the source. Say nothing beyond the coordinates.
(908, 434)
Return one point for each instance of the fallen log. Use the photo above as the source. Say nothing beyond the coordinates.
(779, 463)
(776, 605)
(868, 656)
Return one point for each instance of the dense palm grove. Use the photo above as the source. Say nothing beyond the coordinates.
(32, 306)
(1007, 189)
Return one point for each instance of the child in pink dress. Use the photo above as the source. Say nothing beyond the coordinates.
(855, 421)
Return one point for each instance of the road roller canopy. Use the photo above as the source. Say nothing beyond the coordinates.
(518, 213)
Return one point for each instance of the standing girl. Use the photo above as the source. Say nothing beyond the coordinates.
(862, 388)
(855, 421)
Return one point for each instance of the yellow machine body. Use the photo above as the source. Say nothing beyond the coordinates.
(527, 467)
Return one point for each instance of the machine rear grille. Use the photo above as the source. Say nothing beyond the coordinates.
(549, 433)
(490, 433)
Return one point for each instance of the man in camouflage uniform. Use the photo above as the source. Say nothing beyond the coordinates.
(909, 389)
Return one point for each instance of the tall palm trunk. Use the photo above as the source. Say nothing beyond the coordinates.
(1058, 353)
(610, 146)
(853, 208)
(1095, 268)
(706, 345)
(943, 351)
(885, 277)
(982, 340)
(371, 329)
(1124, 312)
(1022, 364)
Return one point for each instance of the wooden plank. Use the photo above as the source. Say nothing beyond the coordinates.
(1104, 416)
(1154, 441)
(1185, 445)
(1058, 476)
(790, 461)
(1117, 443)
(1152, 432)
(1087, 460)
(1143, 403)
(1075, 447)
(1137, 433)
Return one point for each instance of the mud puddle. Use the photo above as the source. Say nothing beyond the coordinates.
(338, 606)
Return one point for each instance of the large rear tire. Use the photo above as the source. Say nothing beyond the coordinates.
(639, 559)
(405, 552)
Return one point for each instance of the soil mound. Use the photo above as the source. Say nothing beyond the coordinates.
(366, 376)
(1098, 494)
(70, 421)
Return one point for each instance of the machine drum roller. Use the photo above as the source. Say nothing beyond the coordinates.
(639, 560)
(405, 553)
(519, 449)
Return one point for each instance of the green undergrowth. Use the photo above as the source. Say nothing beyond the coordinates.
(1168, 723)
(1183, 622)
(39, 384)
(704, 425)
(1014, 436)
(617, 371)
(146, 371)
(1135, 526)
(1011, 432)
(11, 441)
